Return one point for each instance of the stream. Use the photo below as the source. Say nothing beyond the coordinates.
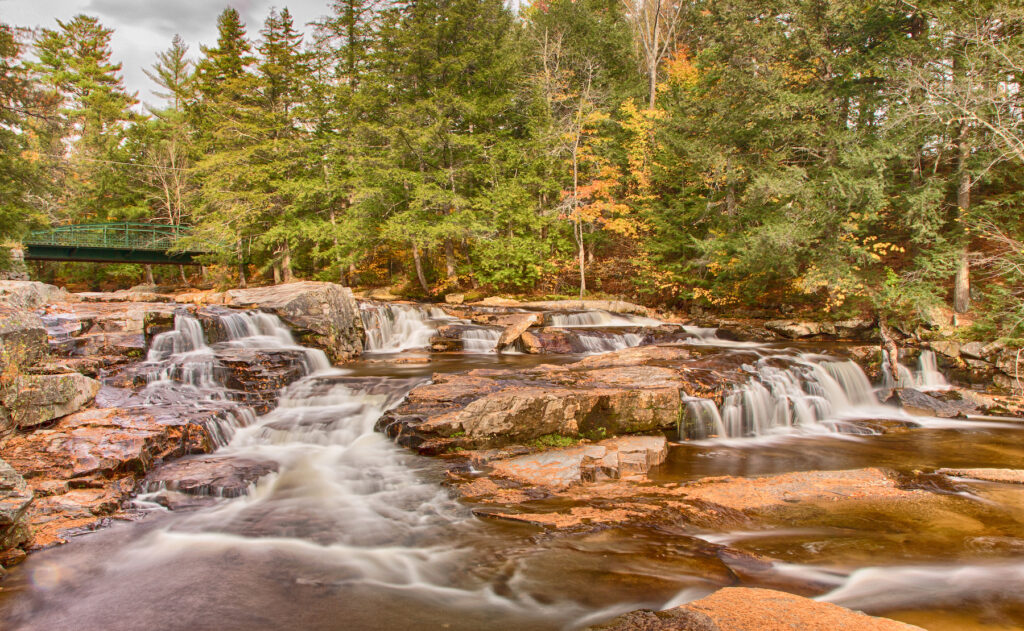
(354, 532)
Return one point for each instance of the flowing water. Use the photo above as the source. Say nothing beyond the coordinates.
(353, 532)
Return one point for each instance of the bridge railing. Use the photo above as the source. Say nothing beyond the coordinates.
(123, 235)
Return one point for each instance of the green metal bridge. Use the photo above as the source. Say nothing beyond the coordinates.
(122, 242)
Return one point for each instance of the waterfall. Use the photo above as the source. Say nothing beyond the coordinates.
(480, 339)
(392, 328)
(599, 319)
(603, 342)
(807, 395)
(182, 368)
(926, 377)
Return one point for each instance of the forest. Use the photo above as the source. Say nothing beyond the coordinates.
(837, 157)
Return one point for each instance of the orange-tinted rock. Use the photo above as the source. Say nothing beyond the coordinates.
(751, 609)
(85, 466)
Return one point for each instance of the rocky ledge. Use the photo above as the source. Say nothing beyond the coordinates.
(751, 609)
(631, 391)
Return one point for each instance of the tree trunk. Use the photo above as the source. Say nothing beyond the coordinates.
(184, 279)
(652, 84)
(962, 281)
(241, 276)
(277, 272)
(449, 260)
(419, 268)
(582, 255)
(149, 275)
(286, 264)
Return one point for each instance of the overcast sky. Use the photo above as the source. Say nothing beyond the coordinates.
(144, 27)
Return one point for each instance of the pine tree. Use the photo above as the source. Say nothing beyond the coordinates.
(75, 63)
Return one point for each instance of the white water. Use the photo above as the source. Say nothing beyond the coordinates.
(599, 319)
(602, 342)
(927, 377)
(480, 339)
(182, 369)
(807, 396)
(392, 328)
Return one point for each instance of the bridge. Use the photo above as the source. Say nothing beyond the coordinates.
(121, 242)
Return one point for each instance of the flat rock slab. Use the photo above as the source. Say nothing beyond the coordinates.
(15, 497)
(924, 404)
(39, 399)
(609, 459)
(776, 491)
(753, 609)
(1013, 476)
(217, 476)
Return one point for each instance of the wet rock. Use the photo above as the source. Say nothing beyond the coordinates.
(15, 497)
(946, 348)
(22, 339)
(765, 495)
(29, 295)
(85, 466)
(37, 399)
(256, 377)
(606, 460)
(1012, 476)
(101, 329)
(448, 338)
(753, 609)
(324, 315)
(550, 340)
(923, 404)
(515, 329)
(632, 391)
(217, 476)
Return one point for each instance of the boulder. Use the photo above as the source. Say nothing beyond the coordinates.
(625, 392)
(855, 329)
(324, 315)
(23, 339)
(37, 399)
(515, 329)
(973, 350)
(15, 497)
(923, 404)
(753, 609)
(550, 340)
(606, 460)
(26, 294)
(946, 348)
(217, 476)
(454, 299)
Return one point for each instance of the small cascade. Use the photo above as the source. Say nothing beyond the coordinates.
(480, 339)
(599, 319)
(926, 377)
(807, 395)
(265, 331)
(701, 420)
(391, 328)
(603, 342)
(182, 368)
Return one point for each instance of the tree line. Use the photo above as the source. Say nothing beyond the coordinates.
(832, 155)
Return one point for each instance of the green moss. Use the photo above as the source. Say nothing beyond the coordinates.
(554, 441)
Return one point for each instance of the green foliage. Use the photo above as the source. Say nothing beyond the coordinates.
(553, 441)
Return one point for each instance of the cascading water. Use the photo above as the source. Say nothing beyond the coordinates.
(603, 342)
(808, 395)
(926, 377)
(391, 328)
(599, 319)
(479, 339)
(182, 368)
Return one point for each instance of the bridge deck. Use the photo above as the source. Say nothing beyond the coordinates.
(122, 242)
